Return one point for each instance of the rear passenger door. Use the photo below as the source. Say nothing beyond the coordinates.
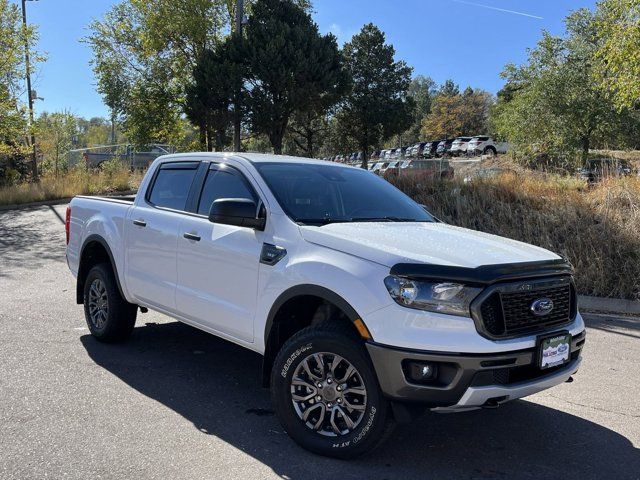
(151, 232)
(218, 264)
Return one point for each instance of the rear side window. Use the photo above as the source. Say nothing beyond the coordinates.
(220, 183)
(172, 184)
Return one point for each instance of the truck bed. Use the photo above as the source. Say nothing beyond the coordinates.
(128, 199)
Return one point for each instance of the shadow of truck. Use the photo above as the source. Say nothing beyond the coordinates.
(215, 385)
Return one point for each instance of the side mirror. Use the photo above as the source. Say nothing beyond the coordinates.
(240, 212)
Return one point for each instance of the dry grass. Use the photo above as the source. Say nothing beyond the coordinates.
(75, 182)
(597, 228)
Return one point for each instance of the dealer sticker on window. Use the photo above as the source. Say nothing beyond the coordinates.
(555, 350)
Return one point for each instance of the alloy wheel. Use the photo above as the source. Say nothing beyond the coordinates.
(98, 304)
(328, 394)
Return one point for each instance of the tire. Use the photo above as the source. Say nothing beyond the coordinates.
(490, 151)
(109, 316)
(370, 426)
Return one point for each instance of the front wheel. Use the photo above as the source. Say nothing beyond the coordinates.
(326, 394)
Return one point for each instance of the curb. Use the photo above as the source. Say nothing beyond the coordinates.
(611, 305)
(56, 201)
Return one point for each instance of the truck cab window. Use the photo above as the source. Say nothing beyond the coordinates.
(222, 184)
(171, 187)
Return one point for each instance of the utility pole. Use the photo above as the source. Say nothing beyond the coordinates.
(29, 91)
(237, 106)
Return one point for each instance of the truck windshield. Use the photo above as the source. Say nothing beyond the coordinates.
(313, 194)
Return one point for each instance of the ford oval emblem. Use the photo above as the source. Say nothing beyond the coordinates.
(542, 306)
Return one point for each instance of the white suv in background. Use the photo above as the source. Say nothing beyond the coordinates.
(486, 145)
(459, 146)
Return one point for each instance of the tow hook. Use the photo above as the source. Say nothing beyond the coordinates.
(495, 402)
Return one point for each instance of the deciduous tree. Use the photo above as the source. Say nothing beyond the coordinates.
(454, 114)
(14, 138)
(556, 104)
(422, 90)
(618, 54)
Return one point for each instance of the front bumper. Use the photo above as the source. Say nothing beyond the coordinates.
(469, 381)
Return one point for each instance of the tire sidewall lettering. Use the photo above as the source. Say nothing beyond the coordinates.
(366, 427)
(292, 358)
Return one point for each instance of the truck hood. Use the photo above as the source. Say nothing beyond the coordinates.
(389, 243)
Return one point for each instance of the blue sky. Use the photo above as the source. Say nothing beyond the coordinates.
(466, 40)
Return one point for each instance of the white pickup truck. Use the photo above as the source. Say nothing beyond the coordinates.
(366, 308)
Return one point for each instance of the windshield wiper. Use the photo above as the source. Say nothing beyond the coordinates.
(326, 221)
(318, 221)
(383, 219)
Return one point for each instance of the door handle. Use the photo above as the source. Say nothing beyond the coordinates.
(191, 236)
(140, 223)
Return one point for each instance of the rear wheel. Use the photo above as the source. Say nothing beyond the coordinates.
(326, 394)
(490, 151)
(109, 316)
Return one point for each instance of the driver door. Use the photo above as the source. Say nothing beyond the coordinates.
(218, 264)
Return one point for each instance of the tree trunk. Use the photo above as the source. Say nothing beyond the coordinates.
(276, 135)
(203, 136)
(586, 141)
(113, 128)
(276, 143)
(365, 157)
(209, 140)
(219, 143)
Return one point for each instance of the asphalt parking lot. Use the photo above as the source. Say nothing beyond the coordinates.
(174, 402)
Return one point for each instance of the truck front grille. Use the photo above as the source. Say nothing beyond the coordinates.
(506, 310)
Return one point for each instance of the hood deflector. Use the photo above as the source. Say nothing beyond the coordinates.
(484, 274)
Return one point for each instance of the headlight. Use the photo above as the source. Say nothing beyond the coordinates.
(441, 297)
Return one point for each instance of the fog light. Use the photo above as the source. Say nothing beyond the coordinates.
(421, 372)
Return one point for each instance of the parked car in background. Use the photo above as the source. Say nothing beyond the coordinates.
(598, 168)
(412, 151)
(485, 145)
(379, 166)
(408, 153)
(459, 146)
(391, 169)
(444, 148)
(438, 168)
(418, 149)
(430, 150)
(374, 156)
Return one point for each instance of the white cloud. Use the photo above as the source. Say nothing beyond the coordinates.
(342, 35)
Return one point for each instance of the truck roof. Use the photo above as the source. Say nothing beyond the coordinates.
(249, 157)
